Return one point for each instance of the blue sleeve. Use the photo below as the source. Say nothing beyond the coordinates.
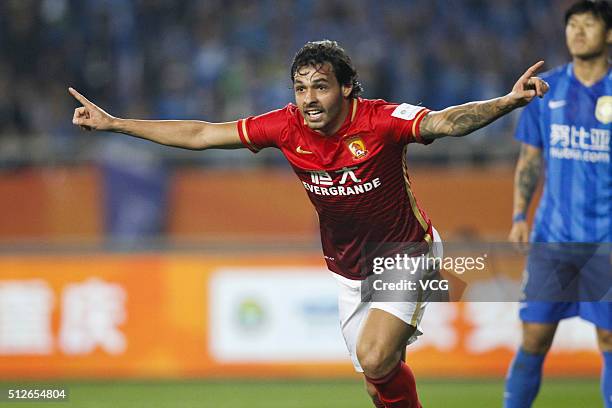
(528, 128)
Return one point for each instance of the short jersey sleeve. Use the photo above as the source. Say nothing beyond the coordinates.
(258, 132)
(528, 128)
(400, 122)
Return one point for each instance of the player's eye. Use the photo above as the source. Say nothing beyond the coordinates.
(322, 87)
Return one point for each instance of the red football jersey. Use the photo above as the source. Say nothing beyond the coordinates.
(356, 179)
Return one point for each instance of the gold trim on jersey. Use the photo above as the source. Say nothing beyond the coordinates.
(354, 109)
(246, 135)
(416, 120)
(413, 204)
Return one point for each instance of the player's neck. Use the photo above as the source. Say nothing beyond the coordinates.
(590, 71)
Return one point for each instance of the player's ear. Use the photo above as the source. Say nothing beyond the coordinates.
(346, 90)
(609, 36)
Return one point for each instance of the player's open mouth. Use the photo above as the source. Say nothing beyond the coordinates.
(314, 114)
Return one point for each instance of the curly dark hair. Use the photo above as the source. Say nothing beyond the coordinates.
(316, 53)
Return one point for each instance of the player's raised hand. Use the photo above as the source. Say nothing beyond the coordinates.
(90, 116)
(529, 86)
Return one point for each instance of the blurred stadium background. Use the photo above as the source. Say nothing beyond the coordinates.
(197, 276)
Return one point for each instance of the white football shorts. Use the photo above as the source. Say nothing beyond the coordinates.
(353, 311)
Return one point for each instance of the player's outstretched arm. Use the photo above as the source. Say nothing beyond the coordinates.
(463, 119)
(526, 176)
(188, 134)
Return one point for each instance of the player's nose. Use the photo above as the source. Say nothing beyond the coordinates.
(310, 96)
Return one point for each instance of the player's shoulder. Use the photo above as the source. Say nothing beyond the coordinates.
(555, 74)
(384, 109)
(286, 112)
(375, 104)
(282, 118)
(608, 78)
(372, 112)
(555, 77)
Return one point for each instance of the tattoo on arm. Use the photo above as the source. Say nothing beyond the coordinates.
(526, 178)
(463, 119)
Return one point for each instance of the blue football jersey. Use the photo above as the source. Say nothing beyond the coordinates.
(571, 125)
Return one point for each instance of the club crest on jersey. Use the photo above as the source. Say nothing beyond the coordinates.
(357, 147)
(603, 110)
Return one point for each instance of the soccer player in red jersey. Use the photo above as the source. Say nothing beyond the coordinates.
(349, 154)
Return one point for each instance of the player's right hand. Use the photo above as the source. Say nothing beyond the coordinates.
(519, 234)
(90, 116)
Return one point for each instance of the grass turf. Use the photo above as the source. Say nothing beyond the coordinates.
(300, 394)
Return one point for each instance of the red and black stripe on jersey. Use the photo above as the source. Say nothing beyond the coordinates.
(357, 179)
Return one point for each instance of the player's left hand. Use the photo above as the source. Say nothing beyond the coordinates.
(528, 86)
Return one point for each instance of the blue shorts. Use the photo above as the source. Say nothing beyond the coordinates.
(566, 280)
(598, 313)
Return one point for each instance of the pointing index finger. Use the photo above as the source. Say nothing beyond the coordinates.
(533, 69)
(79, 97)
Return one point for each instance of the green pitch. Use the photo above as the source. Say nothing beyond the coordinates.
(301, 394)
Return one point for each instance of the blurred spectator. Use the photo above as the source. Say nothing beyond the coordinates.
(219, 60)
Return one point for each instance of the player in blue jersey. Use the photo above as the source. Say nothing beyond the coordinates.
(568, 134)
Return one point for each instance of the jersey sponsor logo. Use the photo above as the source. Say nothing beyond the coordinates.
(406, 111)
(603, 110)
(343, 190)
(357, 147)
(556, 104)
(323, 178)
(302, 151)
(578, 143)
